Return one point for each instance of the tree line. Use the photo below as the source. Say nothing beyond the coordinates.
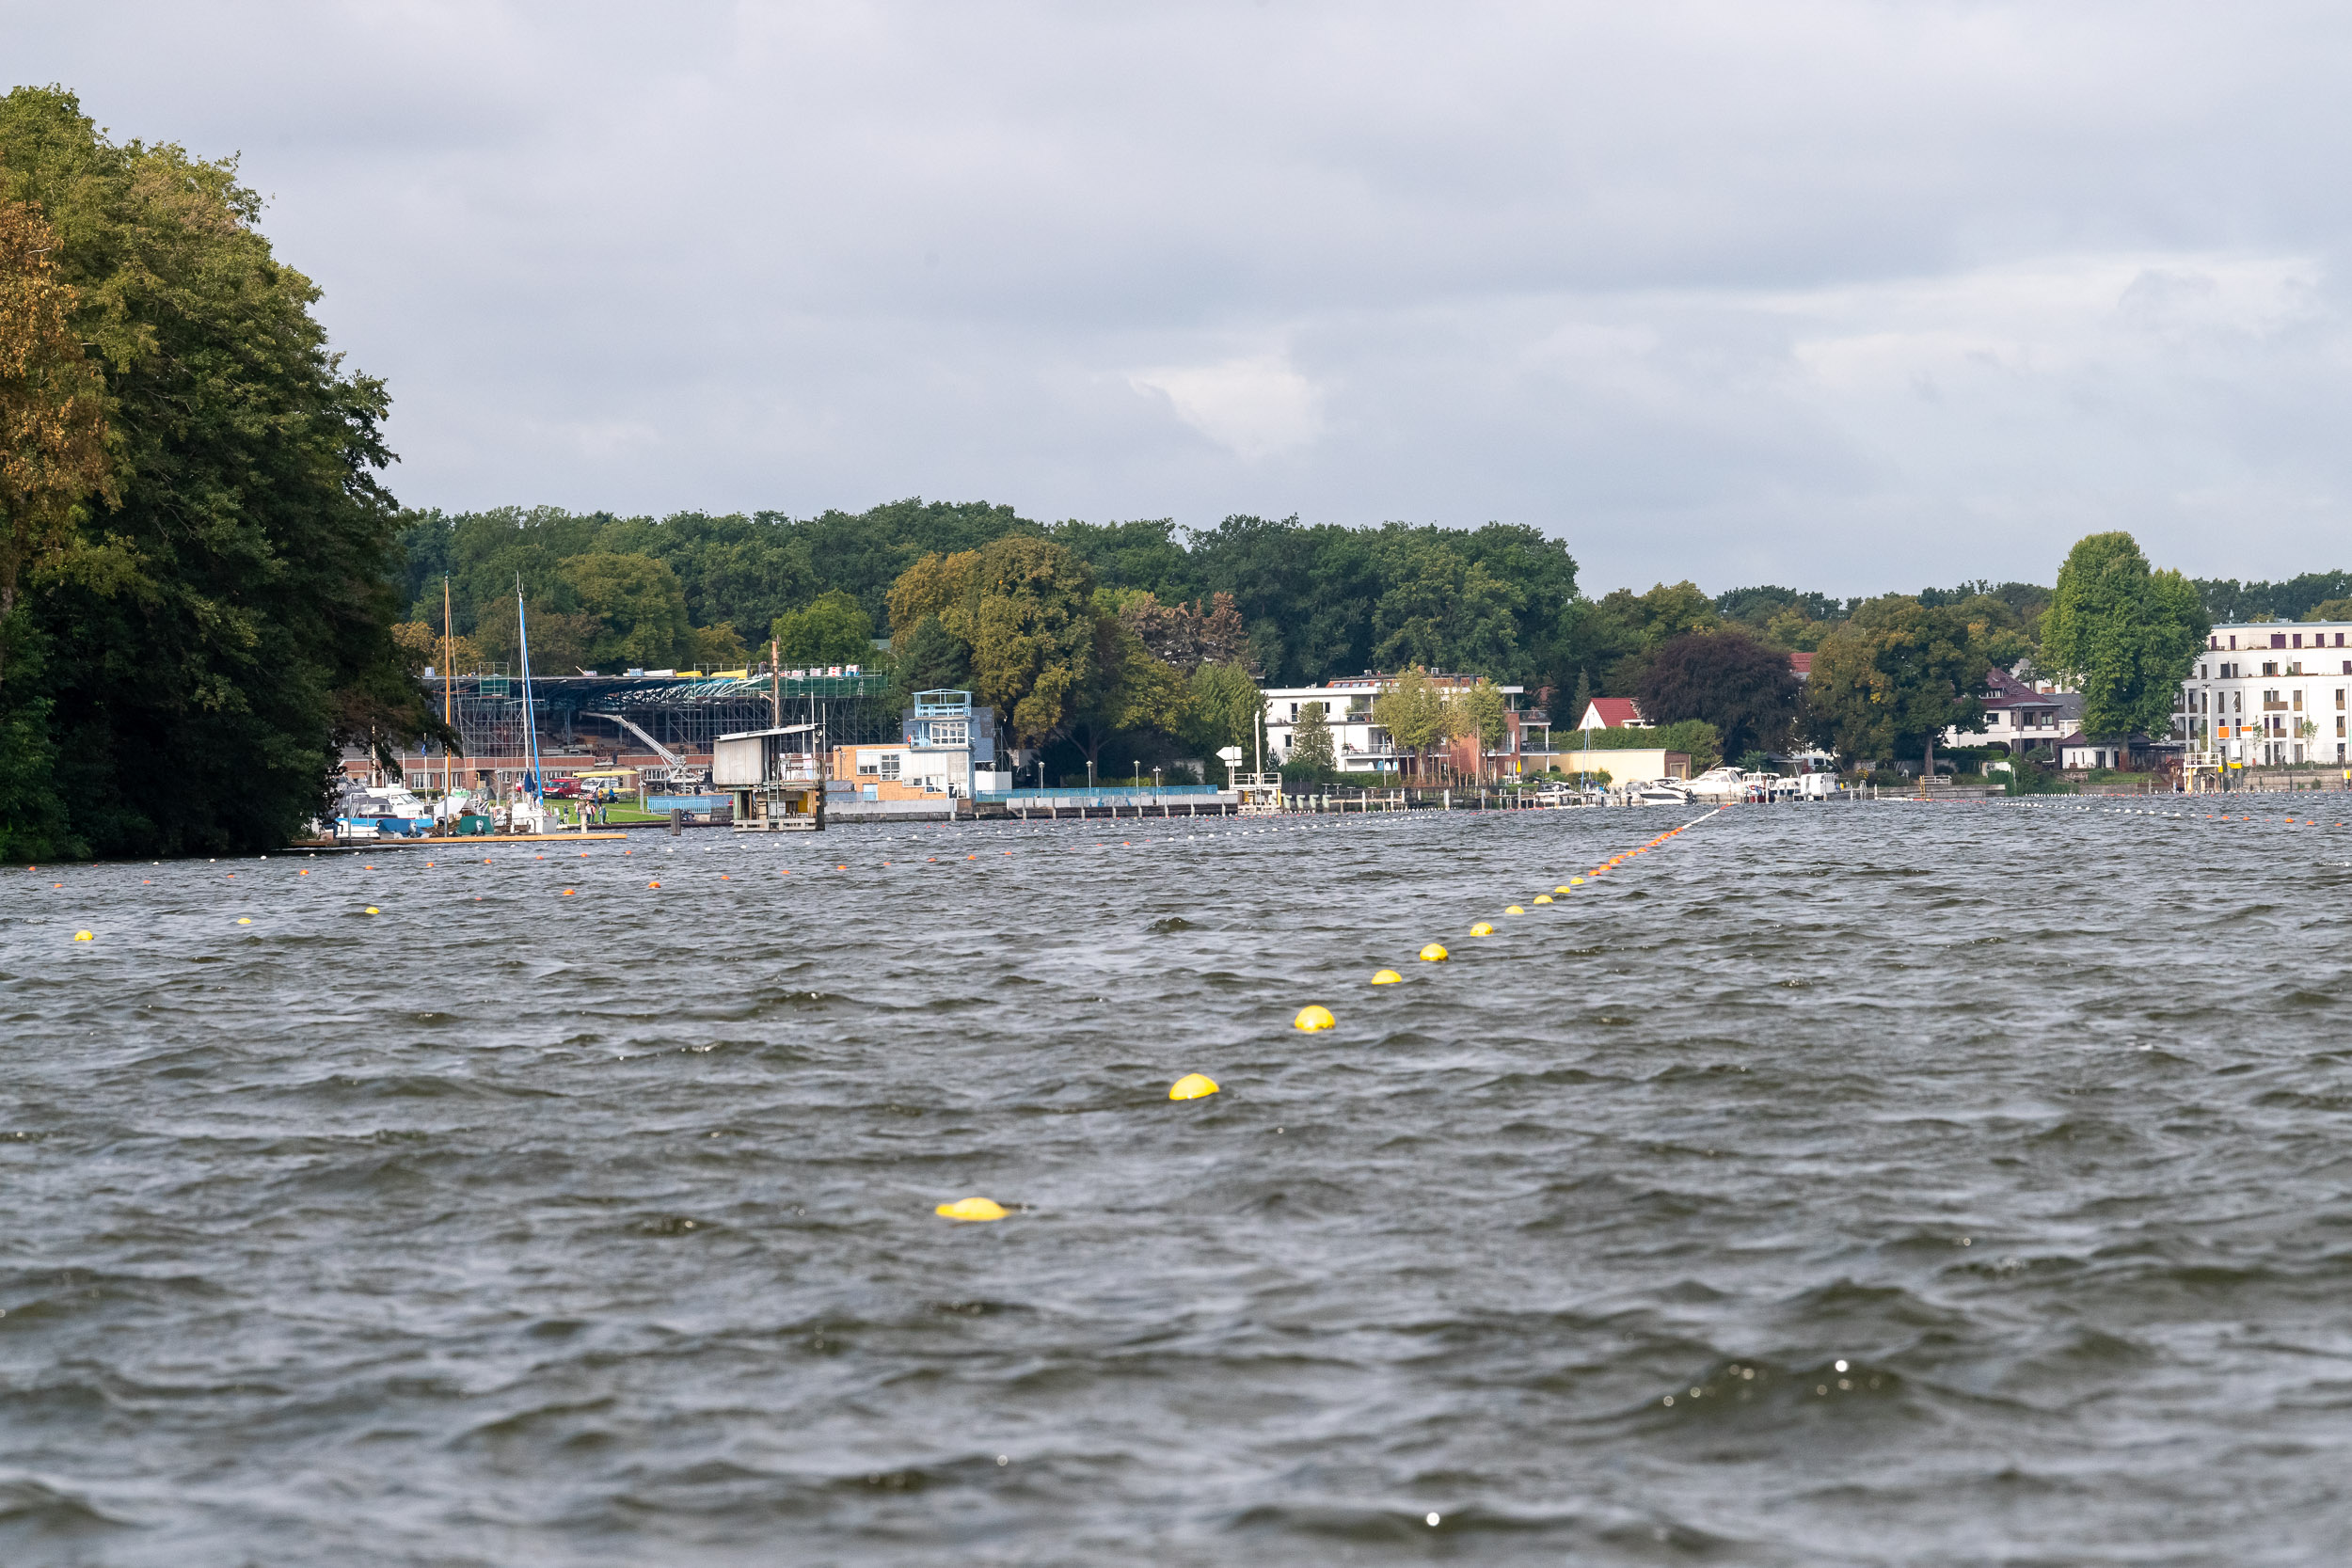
(1889, 675)
(1315, 600)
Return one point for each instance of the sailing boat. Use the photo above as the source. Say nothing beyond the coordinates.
(535, 786)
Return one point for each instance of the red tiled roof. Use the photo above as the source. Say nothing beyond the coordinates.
(1800, 663)
(1617, 712)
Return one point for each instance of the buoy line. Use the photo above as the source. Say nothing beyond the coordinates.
(1314, 1017)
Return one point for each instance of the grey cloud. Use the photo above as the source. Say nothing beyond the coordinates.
(1856, 297)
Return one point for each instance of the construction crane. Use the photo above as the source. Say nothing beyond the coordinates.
(677, 772)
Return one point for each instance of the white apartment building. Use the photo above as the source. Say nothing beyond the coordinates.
(1360, 746)
(2270, 693)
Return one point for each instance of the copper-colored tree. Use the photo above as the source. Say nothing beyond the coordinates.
(52, 422)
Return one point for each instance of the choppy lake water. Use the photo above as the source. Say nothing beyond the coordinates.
(1837, 1184)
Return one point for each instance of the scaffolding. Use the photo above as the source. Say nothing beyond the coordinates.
(488, 714)
(686, 716)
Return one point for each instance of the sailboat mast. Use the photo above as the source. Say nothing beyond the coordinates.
(530, 723)
(449, 701)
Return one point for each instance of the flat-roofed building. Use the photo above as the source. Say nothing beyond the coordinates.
(1359, 746)
(2269, 694)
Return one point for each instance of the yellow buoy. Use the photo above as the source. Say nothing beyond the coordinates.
(1564, 886)
(1514, 908)
(1574, 882)
(1192, 1085)
(1543, 899)
(1314, 1016)
(244, 920)
(1433, 954)
(971, 1209)
(372, 909)
(1482, 930)
(84, 936)
(1387, 977)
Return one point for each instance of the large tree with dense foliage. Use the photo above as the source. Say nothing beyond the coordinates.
(53, 455)
(927, 657)
(640, 608)
(1024, 607)
(1222, 707)
(53, 421)
(206, 641)
(834, 629)
(1896, 675)
(1607, 642)
(1730, 679)
(1132, 690)
(2122, 635)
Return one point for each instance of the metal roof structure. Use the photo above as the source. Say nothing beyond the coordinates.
(686, 715)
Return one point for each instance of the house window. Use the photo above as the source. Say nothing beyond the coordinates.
(2270, 667)
(2298, 639)
(890, 765)
(2277, 639)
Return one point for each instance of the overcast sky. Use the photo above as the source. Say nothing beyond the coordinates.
(1845, 296)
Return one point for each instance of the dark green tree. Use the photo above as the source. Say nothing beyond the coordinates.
(835, 630)
(1730, 679)
(207, 643)
(2122, 635)
(1895, 676)
(927, 658)
(639, 607)
(1312, 749)
(1222, 708)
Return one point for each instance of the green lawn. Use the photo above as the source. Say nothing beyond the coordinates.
(615, 812)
